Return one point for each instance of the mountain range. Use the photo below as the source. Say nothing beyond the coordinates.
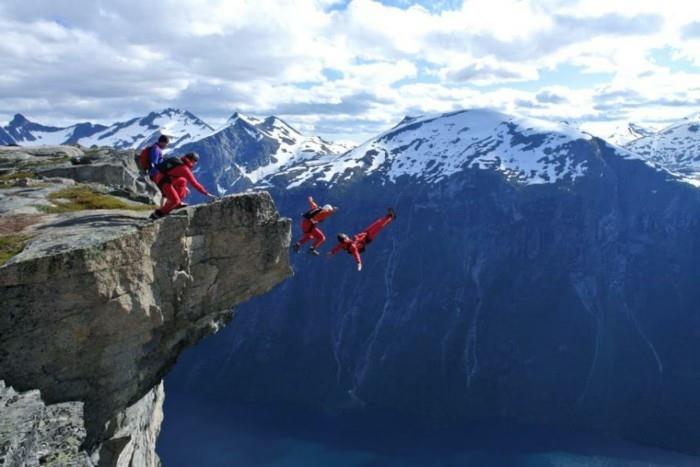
(180, 125)
(247, 151)
(238, 154)
(534, 273)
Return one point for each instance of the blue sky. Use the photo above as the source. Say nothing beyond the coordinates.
(346, 69)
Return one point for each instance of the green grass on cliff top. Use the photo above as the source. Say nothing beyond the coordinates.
(10, 245)
(82, 198)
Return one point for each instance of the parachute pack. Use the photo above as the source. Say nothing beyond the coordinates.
(143, 160)
(311, 213)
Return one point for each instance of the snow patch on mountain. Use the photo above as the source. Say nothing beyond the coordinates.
(432, 148)
(181, 126)
(675, 148)
(25, 132)
(5, 138)
(292, 147)
(624, 134)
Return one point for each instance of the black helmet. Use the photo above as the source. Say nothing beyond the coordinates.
(192, 155)
(342, 237)
(163, 139)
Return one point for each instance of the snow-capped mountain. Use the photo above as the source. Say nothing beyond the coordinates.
(433, 148)
(526, 258)
(292, 146)
(182, 126)
(246, 149)
(28, 133)
(624, 134)
(675, 148)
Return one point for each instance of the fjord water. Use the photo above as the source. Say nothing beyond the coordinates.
(209, 433)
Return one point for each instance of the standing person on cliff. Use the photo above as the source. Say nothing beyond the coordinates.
(155, 157)
(173, 176)
(309, 225)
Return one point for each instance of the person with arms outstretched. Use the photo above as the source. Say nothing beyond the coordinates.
(176, 172)
(356, 245)
(309, 225)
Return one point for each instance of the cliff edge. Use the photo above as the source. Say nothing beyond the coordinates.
(99, 303)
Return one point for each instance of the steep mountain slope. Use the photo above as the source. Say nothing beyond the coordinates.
(180, 125)
(5, 138)
(246, 150)
(676, 148)
(533, 274)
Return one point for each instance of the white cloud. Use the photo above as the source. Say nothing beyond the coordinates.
(489, 71)
(353, 69)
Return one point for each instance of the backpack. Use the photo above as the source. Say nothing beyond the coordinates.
(169, 164)
(143, 160)
(311, 213)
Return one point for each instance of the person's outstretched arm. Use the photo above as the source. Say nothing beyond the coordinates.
(356, 254)
(335, 250)
(312, 203)
(195, 183)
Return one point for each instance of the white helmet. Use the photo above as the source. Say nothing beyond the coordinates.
(327, 207)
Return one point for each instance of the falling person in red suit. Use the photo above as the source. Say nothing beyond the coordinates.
(356, 245)
(309, 225)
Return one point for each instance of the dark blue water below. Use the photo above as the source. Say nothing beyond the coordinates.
(208, 434)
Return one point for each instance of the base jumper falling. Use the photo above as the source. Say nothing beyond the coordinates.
(309, 225)
(357, 244)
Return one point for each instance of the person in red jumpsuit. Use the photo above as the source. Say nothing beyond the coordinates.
(357, 244)
(176, 174)
(309, 225)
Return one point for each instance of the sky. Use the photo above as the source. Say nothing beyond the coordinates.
(348, 69)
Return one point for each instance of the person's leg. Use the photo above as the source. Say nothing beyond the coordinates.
(171, 197)
(156, 179)
(307, 228)
(319, 236)
(180, 187)
(376, 226)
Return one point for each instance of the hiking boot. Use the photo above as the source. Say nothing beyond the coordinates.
(296, 248)
(312, 251)
(155, 215)
(392, 213)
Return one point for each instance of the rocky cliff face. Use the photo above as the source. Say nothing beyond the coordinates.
(114, 170)
(32, 433)
(99, 304)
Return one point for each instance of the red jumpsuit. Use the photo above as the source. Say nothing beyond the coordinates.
(310, 226)
(175, 187)
(357, 244)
